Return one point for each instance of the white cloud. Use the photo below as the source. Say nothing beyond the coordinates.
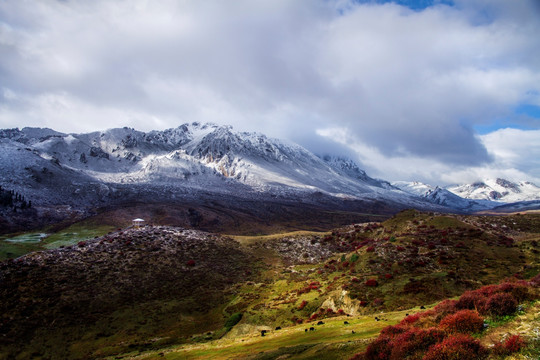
(515, 153)
(514, 148)
(408, 85)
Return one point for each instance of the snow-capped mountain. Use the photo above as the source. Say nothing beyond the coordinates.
(205, 163)
(441, 196)
(499, 190)
(414, 187)
(53, 167)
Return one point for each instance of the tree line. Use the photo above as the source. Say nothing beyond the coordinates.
(14, 200)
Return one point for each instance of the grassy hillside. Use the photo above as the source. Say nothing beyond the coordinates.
(190, 294)
(343, 337)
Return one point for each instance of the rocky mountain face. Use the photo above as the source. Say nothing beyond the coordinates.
(66, 175)
(192, 161)
(192, 155)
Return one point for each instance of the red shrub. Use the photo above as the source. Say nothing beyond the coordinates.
(392, 331)
(511, 345)
(463, 321)
(488, 290)
(409, 320)
(363, 303)
(399, 342)
(446, 307)
(501, 304)
(417, 242)
(379, 349)
(191, 263)
(518, 290)
(372, 282)
(388, 276)
(314, 285)
(81, 244)
(472, 300)
(302, 305)
(459, 347)
(370, 249)
(414, 341)
(535, 281)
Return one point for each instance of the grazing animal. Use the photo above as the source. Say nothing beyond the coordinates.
(422, 307)
(354, 332)
(346, 322)
(407, 314)
(376, 318)
(320, 323)
(263, 332)
(278, 328)
(305, 330)
(311, 328)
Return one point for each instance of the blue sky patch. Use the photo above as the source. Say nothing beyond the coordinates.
(529, 110)
(525, 118)
(412, 4)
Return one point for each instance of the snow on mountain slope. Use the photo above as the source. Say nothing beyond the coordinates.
(216, 160)
(414, 187)
(42, 178)
(207, 157)
(499, 190)
(441, 196)
(350, 168)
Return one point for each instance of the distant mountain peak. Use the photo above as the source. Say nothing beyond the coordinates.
(498, 189)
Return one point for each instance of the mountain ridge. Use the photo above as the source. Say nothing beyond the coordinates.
(202, 162)
(194, 155)
(483, 195)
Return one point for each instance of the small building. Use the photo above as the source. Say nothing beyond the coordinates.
(137, 223)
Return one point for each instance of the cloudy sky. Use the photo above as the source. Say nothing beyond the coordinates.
(439, 91)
